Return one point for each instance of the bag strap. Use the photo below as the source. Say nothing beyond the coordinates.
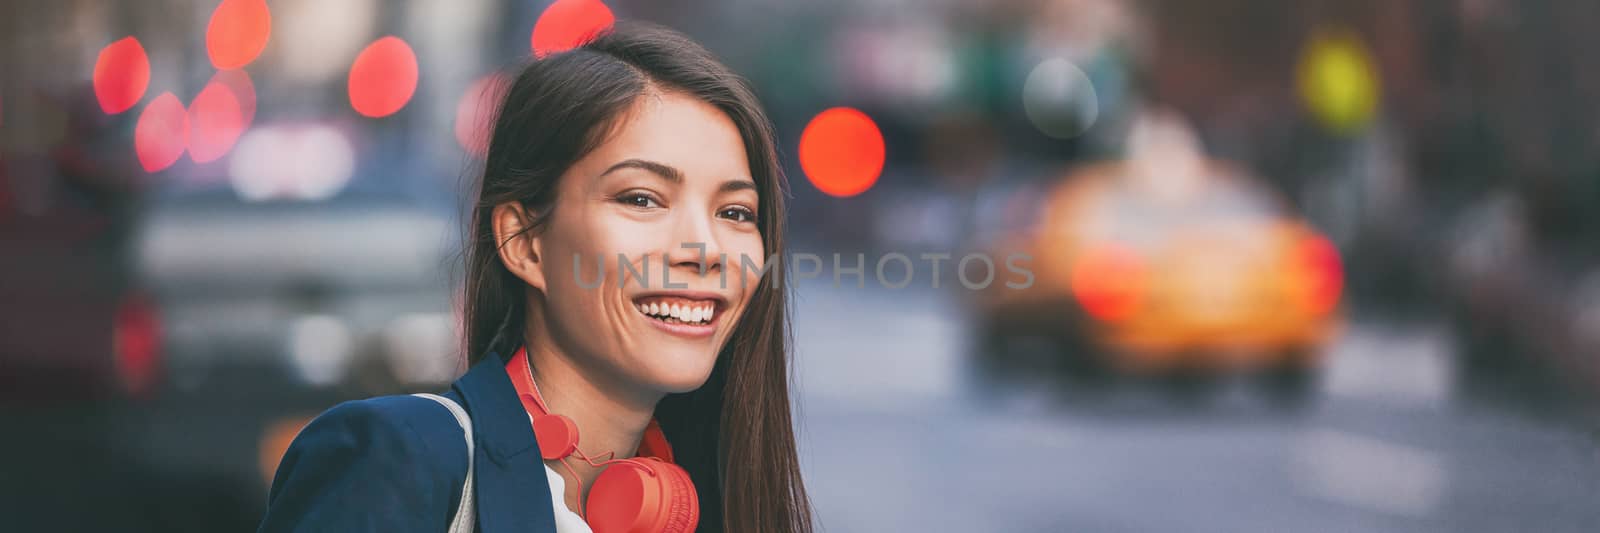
(465, 518)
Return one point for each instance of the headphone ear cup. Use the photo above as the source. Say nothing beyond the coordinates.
(643, 495)
(557, 436)
(683, 505)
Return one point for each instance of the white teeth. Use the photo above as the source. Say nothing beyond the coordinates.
(685, 313)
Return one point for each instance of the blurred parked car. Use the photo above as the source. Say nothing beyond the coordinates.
(272, 311)
(1167, 264)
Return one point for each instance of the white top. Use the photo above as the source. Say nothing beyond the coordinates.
(567, 521)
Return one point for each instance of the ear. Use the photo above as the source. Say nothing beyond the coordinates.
(518, 243)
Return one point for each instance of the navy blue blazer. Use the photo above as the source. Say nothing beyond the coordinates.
(397, 464)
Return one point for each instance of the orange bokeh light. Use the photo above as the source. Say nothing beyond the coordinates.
(383, 77)
(569, 23)
(1109, 281)
(121, 75)
(215, 122)
(842, 152)
(162, 133)
(475, 113)
(238, 32)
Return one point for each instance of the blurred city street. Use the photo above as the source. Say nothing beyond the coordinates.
(891, 442)
(1304, 265)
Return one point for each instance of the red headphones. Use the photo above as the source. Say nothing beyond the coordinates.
(644, 494)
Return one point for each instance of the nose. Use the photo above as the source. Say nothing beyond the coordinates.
(695, 250)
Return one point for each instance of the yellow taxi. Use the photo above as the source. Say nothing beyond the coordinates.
(1169, 262)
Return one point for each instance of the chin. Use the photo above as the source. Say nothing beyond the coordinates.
(684, 374)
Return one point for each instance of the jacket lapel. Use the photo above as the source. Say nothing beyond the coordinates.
(512, 493)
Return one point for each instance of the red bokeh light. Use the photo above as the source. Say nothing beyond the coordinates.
(1321, 259)
(842, 152)
(215, 122)
(137, 341)
(162, 133)
(569, 23)
(121, 75)
(383, 77)
(244, 90)
(1109, 281)
(238, 32)
(475, 113)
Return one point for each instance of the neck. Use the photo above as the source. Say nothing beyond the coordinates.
(611, 416)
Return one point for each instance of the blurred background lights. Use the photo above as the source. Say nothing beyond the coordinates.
(121, 75)
(216, 119)
(383, 77)
(162, 133)
(842, 152)
(1109, 281)
(567, 23)
(238, 32)
(137, 336)
(1337, 81)
(275, 440)
(413, 343)
(1165, 157)
(1325, 274)
(319, 346)
(475, 113)
(310, 162)
(1059, 99)
(244, 90)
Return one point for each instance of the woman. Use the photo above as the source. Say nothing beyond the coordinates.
(630, 205)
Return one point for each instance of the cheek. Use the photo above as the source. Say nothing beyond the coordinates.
(599, 238)
(582, 275)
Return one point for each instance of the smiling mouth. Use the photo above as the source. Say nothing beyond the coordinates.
(677, 310)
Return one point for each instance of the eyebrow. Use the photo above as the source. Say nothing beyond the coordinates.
(666, 171)
(672, 174)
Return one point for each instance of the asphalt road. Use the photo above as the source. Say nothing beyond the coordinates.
(894, 438)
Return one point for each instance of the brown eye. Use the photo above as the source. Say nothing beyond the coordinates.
(737, 214)
(637, 199)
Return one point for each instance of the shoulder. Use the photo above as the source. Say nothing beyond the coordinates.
(417, 431)
(390, 424)
(403, 457)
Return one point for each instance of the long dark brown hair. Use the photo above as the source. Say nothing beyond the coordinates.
(734, 434)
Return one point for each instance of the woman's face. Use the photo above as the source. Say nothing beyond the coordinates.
(671, 193)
